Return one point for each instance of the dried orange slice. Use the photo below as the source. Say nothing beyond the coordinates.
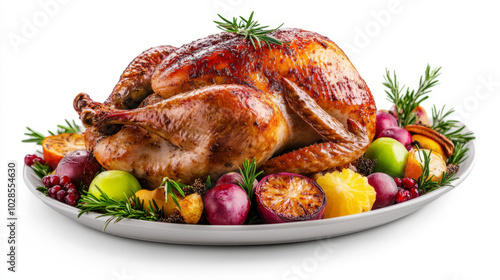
(437, 164)
(347, 193)
(55, 147)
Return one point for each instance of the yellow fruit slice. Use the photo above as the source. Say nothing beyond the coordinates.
(55, 147)
(425, 142)
(437, 164)
(158, 195)
(347, 192)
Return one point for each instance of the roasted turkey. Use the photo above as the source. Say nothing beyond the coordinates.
(203, 108)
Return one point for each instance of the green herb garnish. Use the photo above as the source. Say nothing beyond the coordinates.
(249, 29)
(34, 136)
(118, 210)
(449, 128)
(454, 131)
(41, 170)
(248, 172)
(425, 182)
(170, 186)
(43, 189)
(37, 137)
(459, 154)
(208, 183)
(407, 102)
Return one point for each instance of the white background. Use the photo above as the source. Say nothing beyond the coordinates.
(76, 46)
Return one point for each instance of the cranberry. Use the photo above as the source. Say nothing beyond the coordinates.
(60, 195)
(64, 180)
(46, 181)
(70, 186)
(402, 196)
(74, 192)
(28, 159)
(398, 182)
(53, 191)
(414, 192)
(70, 199)
(54, 180)
(409, 183)
(39, 159)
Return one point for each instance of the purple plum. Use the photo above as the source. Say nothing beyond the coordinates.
(385, 120)
(398, 133)
(385, 187)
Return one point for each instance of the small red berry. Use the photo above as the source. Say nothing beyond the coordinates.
(46, 181)
(398, 182)
(39, 159)
(64, 180)
(28, 159)
(70, 186)
(409, 183)
(73, 191)
(53, 191)
(414, 193)
(70, 199)
(402, 196)
(54, 180)
(60, 195)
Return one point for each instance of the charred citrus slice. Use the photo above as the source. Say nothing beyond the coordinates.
(55, 147)
(437, 164)
(347, 193)
(287, 197)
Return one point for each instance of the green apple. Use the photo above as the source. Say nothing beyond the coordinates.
(390, 154)
(116, 184)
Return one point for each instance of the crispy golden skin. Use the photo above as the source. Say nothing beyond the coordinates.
(218, 101)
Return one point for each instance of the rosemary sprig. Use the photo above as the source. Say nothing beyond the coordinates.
(453, 131)
(34, 137)
(459, 154)
(118, 210)
(41, 170)
(37, 137)
(449, 128)
(248, 172)
(249, 29)
(407, 102)
(43, 189)
(425, 181)
(170, 186)
(70, 128)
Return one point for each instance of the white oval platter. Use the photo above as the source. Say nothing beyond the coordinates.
(249, 234)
